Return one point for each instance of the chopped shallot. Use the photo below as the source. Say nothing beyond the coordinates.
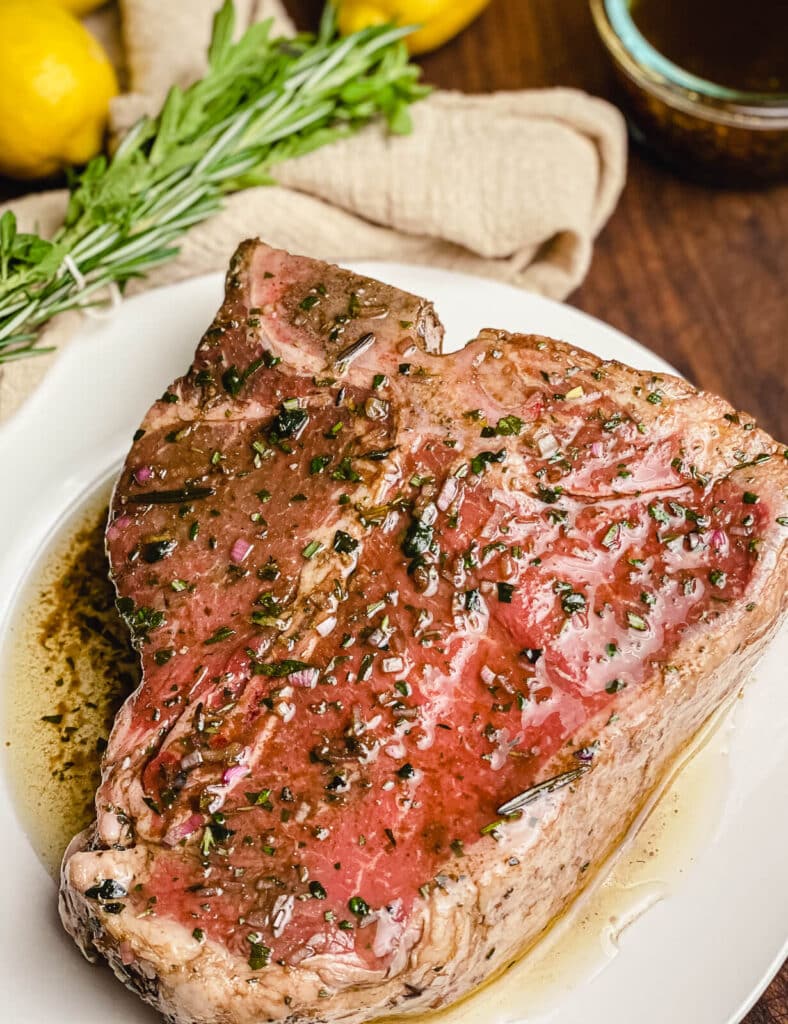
(240, 550)
(719, 541)
(234, 773)
(487, 674)
(305, 677)
(326, 626)
(191, 759)
(182, 830)
(547, 445)
(451, 486)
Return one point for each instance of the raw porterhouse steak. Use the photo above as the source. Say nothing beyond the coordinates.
(420, 633)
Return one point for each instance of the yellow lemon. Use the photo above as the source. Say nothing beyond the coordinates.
(78, 6)
(438, 20)
(55, 86)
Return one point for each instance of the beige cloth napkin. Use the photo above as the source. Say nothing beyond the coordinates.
(513, 186)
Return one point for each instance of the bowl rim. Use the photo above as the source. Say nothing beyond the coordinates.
(652, 71)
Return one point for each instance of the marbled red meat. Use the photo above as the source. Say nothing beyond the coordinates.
(378, 593)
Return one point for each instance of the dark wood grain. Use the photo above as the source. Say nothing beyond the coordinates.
(696, 274)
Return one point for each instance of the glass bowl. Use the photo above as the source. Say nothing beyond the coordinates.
(718, 134)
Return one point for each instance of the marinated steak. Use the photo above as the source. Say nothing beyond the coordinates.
(419, 635)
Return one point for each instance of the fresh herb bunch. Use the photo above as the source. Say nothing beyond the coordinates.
(262, 101)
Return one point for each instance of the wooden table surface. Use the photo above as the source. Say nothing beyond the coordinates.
(696, 274)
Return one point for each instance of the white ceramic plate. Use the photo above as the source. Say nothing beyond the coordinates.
(702, 956)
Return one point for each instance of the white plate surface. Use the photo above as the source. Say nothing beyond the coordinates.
(700, 957)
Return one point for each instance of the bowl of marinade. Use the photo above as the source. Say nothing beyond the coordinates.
(704, 82)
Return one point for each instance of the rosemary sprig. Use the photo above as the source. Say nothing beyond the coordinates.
(261, 101)
(528, 796)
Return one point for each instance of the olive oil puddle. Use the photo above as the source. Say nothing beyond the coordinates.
(70, 668)
(676, 823)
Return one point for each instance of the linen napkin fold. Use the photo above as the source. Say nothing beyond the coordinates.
(512, 186)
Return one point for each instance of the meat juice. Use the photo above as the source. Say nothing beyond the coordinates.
(70, 666)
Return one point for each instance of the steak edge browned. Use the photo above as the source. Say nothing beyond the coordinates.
(379, 594)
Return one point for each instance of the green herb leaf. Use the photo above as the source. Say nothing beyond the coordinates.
(261, 101)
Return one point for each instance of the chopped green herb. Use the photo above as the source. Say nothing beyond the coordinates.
(611, 535)
(222, 633)
(344, 543)
(509, 426)
(345, 471)
(613, 423)
(259, 956)
(232, 380)
(658, 513)
(417, 539)
(571, 601)
(140, 621)
(480, 462)
(312, 549)
(549, 495)
(260, 798)
(157, 550)
(278, 669)
(289, 422)
(358, 906)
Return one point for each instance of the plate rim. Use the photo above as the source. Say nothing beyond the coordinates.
(86, 331)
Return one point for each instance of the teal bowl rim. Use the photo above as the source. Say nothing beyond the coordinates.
(642, 60)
